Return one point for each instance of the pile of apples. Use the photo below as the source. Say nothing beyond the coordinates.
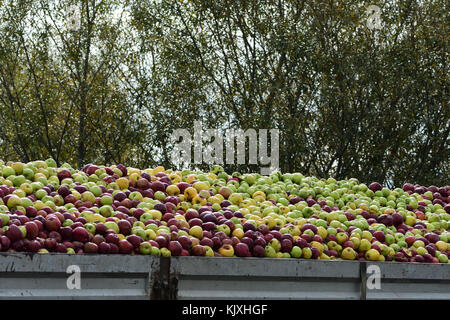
(120, 210)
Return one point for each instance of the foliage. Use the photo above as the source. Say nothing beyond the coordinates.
(349, 101)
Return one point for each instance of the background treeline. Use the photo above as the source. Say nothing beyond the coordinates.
(349, 101)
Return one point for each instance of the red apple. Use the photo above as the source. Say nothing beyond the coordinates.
(175, 248)
(80, 234)
(32, 230)
(242, 250)
(125, 247)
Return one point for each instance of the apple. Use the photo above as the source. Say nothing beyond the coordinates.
(66, 233)
(32, 230)
(4, 219)
(286, 245)
(162, 241)
(175, 248)
(348, 253)
(90, 247)
(14, 233)
(80, 234)
(60, 248)
(274, 243)
(307, 253)
(341, 237)
(296, 252)
(198, 250)
(410, 240)
(52, 222)
(145, 248)
(123, 226)
(227, 250)
(135, 240)
(185, 242)
(242, 250)
(125, 247)
(98, 239)
(372, 255)
(258, 251)
(34, 246)
(379, 235)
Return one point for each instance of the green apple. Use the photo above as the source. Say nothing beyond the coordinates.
(418, 244)
(8, 171)
(384, 249)
(209, 251)
(306, 253)
(145, 216)
(410, 220)
(250, 179)
(112, 225)
(106, 211)
(165, 252)
(28, 173)
(96, 191)
(159, 195)
(51, 163)
(4, 219)
(224, 228)
(309, 232)
(399, 237)
(40, 194)
(395, 246)
(139, 232)
(151, 226)
(235, 198)
(58, 200)
(364, 245)
(150, 234)
(269, 252)
(140, 224)
(335, 224)
(67, 223)
(135, 195)
(145, 248)
(296, 252)
(216, 206)
(274, 243)
(367, 235)
(331, 230)
(341, 237)
(297, 178)
(88, 196)
(443, 258)
(155, 251)
(26, 202)
(402, 244)
(356, 242)
(421, 251)
(90, 227)
(14, 201)
(26, 187)
(390, 239)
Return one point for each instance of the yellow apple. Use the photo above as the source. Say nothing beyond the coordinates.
(226, 250)
(196, 231)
